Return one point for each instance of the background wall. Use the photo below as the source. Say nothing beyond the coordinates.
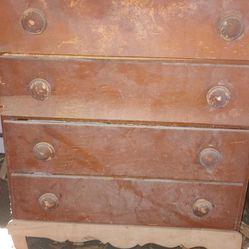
(1, 140)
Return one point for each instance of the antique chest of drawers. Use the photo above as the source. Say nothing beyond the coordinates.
(126, 112)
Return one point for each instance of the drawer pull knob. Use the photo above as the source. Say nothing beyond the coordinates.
(210, 157)
(43, 151)
(33, 21)
(231, 28)
(49, 201)
(202, 207)
(218, 97)
(39, 89)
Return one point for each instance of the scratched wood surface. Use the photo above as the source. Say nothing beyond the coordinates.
(126, 174)
(127, 151)
(125, 91)
(152, 28)
(126, 201)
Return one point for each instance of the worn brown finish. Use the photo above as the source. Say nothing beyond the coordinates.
(48, 201)
(210, 157)
(154, 28)
(130, 112)
(137, 91)
(129, 151)
(218, 97)
(33, 21)
(43, 151)
(202, 207)
(39, 89)
(231, 27)
(126, 201)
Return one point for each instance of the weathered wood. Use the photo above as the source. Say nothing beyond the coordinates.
(55, 69)
(125, 201)
(127, 150)
(156, 28)
(125, 91)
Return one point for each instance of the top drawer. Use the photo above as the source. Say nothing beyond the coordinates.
(157, 28)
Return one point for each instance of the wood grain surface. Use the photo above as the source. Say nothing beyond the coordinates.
(126, 201)
(154, 28)
(125, 91)
(126, 151)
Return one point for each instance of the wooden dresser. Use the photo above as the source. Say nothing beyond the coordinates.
(126, 112)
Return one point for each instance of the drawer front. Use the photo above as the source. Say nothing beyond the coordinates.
(126, 201)
(127, 151)
(157, 28)
(138, 91)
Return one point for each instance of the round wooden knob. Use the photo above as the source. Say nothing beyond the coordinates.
(43, 151)
(202, 207)
(39, 89)
(210, 157)
(218, 97)
(33, 21)
(49, 201)
(231, 28)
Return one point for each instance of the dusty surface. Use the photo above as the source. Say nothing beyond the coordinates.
(6, 242)
(151, 28)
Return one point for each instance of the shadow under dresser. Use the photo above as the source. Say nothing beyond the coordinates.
(127, 113)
